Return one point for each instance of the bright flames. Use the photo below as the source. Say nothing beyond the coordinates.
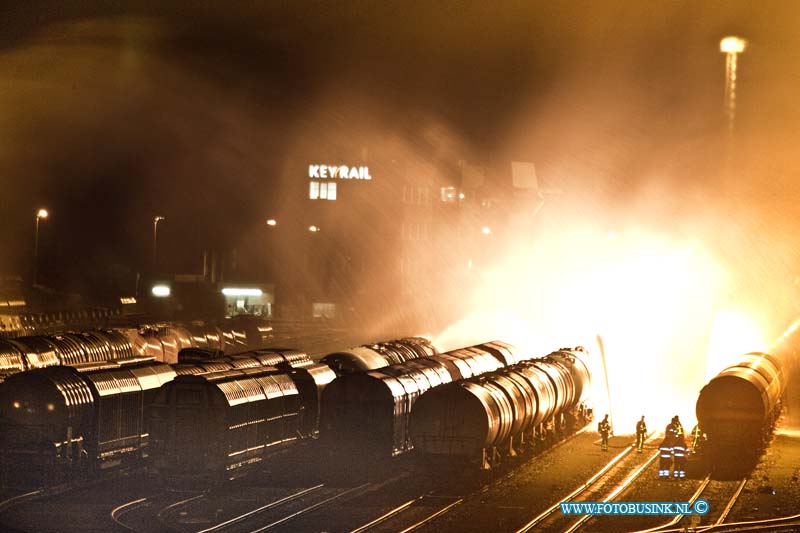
(654, 301)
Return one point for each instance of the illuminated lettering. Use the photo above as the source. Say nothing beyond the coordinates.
(342, 172)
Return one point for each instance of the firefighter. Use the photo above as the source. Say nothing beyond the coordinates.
(604, 428)
(679, 456)
(665, 453)
(698, 437)
(674, 428)
(641, 432)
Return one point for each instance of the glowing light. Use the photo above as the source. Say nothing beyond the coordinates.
(17, 405)
(461, 196)
(653, 299)
(313, 229)
(158, 219)
(732, 45)
(42, 213)
(272, 222)
(234, 291)
(127, 300)
(161, 291)
(51, 407)
(732, 335)
(486, 230)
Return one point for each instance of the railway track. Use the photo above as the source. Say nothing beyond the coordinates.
(282, 512)
(136, 515)
(604, 485)
(721, 497)
(413, 514)
(10, 502)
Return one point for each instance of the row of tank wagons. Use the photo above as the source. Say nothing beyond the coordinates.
(17, 325)
(467, 405)
(63, 420)
(27, 353)
(162, 343)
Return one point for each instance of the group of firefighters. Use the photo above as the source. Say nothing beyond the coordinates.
(673, 450)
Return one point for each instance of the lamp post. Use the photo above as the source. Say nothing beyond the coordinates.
(40, 214)
(731, 46)
(156, 220)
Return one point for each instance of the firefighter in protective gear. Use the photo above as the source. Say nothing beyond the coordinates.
(698, 437)
(665, 454)
(641, 432)
(674, 428)
(679, 457)
(604, 428)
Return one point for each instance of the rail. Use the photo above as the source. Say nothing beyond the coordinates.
(405, 506)
(263, 508)
(312, 507)
(118, 511)
(619, 488)
(678, 518)
(14, 500)
(582, 488)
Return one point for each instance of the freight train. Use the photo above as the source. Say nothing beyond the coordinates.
(163, 343)
(59, 420)
(480, 420)
(366, 414)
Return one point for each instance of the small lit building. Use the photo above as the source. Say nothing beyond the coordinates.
(190, 297)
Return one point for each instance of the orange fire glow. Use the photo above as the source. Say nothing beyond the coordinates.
(656, 302)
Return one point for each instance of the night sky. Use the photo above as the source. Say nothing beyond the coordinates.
(113, 112)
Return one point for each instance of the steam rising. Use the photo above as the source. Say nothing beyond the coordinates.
(671, 239)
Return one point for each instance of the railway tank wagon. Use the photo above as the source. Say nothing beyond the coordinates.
(366, 414)
(58, 419)
(212, 425)
(233, 401)
(738, 408)
(310, 378)
(379, 355)
(481, 419)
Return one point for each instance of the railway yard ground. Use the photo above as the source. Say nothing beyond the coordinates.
(402, 498)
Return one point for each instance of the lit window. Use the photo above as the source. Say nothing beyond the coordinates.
(325, 190)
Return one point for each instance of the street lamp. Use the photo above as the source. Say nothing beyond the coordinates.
(40, 214)
(313, 229)
(156, 220)
(272, 222)
(731, 46)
